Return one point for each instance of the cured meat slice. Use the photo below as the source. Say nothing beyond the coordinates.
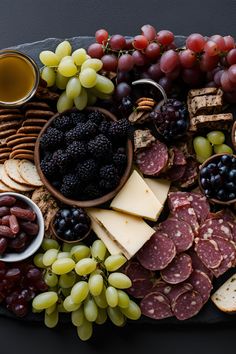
(228, 252)
(200, 205)
(201, 283)
(157, 252)
(176, 172)
(228, 216)
(134, 270)
(140, 288)
(156, 305)
(187, 214)
(179, 158)
(153, 160)
(198, 265)
(179, 231)
(177, 200)
(162, 287)
(191, 173)
(177, 290)
(215, 227)
(209, 253)
(187, 305)
(178, 270)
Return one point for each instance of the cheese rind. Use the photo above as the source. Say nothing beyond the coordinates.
(137, 198)
(160, 188)
(225, 297)
(128, 232)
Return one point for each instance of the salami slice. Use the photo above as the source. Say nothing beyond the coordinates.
(178, 270)
(187, 305)
(177, 290)
(215, 227)
(153, 160)
(191, 173)
(179, 158)
(198, 265)
(200, 205)
(140, 288)
(156, 305)
(187, 214)
(175, 173)
(209, 253)
(228, 252)
(179, 231)
(177, 200)
(162, 287)
(157, 252)
(229, 217)
(134, 270)
(201, 283)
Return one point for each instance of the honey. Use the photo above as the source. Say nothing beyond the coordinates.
(18, 78)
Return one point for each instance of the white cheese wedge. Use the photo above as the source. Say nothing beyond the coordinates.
(225, 297)
(137, 198)
(112, 247)
(128, 232)
(160, 188)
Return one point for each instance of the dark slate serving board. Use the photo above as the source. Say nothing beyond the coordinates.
(209, 315)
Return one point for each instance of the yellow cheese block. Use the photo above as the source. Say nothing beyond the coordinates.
(160, 188)
(137, 198)
(112, 247)
(129, 232)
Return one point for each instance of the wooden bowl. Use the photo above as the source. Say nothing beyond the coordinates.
(55, 235)
(205, 163)
(83, 203)
(233, 135)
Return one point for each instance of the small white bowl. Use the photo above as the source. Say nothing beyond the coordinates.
(36, 241)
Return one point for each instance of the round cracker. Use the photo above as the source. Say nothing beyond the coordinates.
(34, 121)
(43, 106)
(26, 146)
(4, 149)
(4, 156)
(21, 151)
(11, 168)
(25, 157)
(14, 124)
(4, 111)
(3, 187)
(29, 173)
(35, 113)
(7, 133)
(19, 135)
(12, 184)
(11, 117)
(32, 130)
(24, 139)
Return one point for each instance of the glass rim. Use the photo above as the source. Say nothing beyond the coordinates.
(5, 52)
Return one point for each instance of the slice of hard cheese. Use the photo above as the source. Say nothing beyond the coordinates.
(160, 188)
(137, 198)
(225, 297)
(101, 233)
(128, 232)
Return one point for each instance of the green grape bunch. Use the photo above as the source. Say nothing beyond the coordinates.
(85, 282)
(76, 74)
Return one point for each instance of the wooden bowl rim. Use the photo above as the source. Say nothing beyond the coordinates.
(83, 203)
(233, 136)
(204, 164)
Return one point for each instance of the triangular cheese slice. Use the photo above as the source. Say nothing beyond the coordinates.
(160, 188)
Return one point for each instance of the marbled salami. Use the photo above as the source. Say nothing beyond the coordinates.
(177, 290)
(187, 305)
(198, 265)
(215, 227)
(157, 252)
(153, 160)
(187, 214)
(140, 288)
(228, 252)
(156, 305)
(175, 173)
(209, 253)
(200, 205)
(177, 200)
(178, 270)
(134, 270)
(201, 283)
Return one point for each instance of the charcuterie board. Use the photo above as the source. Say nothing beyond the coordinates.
(209, 314)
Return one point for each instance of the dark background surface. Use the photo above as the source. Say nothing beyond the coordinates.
(26, 21)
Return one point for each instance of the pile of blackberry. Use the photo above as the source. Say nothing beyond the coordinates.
(171, 120)
(84, 154)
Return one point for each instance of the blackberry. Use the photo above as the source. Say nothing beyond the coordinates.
(63, 123)
(108, 186)
(49, 168)
(78, 117)
(96, 117)
(171, 119)
(108, 172)
(90, 130)
(120, 161)
(87, 170)
(77, 150)
(74, 134)
(62, 160)
(68, 185)
(120, 128)
(100, 146)
(91, 191)
(51, 139)
(104, 127)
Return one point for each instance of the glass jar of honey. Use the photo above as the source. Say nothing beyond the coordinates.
(19, 78)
